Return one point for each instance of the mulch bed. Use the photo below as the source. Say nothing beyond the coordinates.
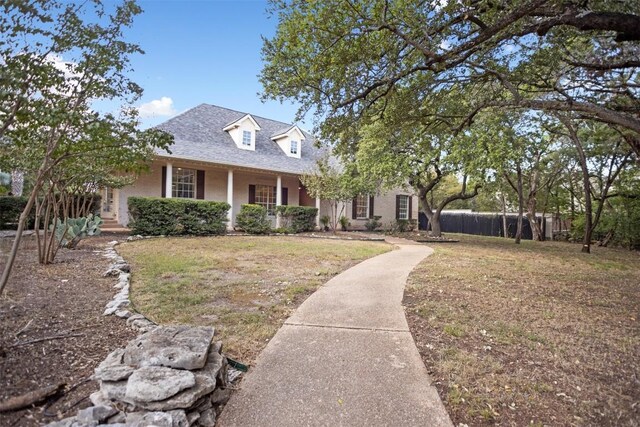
(63, 300)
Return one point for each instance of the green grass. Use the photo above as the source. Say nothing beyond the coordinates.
(244, 286)
(509, 330)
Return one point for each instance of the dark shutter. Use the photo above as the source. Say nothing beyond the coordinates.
(252, 194)
(163, 184)
(200, 185)
(285, 196)
(410, 207)
(370, 206)
(398, 206)
(354, 208)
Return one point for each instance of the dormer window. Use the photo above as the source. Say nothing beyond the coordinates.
(289, 140)
(246, 138)
(243, 132)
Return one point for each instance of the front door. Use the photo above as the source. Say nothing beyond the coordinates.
(109, 209)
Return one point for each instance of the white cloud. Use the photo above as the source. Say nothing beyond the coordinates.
(445, 45)
(157, 107)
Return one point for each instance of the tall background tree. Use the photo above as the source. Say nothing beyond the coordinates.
(355, 63)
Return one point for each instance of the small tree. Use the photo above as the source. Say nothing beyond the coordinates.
(56, 59)
(337, 184)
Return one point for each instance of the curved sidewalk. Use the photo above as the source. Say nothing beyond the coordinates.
(345, 358)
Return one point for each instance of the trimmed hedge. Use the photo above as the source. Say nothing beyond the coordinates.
(155, 216)
(298, 218)
(10, 209)
(252, 219)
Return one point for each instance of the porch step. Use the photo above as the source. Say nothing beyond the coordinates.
(112, 226)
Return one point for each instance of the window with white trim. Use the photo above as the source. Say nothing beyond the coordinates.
(246, 137)
(362, 206)
(294, 147)
(403, 207)
(184, 183)
(266, 196)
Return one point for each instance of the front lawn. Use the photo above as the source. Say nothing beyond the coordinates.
(533, 334)
(244, 286)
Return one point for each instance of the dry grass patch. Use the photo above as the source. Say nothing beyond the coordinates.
(533, 334)
(244, 286)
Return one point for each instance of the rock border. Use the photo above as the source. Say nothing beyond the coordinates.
(120, 304)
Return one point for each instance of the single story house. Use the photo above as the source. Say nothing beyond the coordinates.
(225, 155)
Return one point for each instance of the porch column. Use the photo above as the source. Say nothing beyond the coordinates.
(278, 198)
(169, 181)
(230, 198)
(318, 214)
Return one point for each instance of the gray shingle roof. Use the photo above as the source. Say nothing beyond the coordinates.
(198, 135)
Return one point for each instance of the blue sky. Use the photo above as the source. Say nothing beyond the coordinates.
(205, 51)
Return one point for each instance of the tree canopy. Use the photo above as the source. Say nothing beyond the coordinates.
(345, 60)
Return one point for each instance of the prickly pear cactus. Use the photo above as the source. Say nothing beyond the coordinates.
(69, 233)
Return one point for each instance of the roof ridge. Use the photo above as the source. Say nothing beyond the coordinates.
(245, 113)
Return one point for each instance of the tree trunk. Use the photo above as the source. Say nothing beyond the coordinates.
(588, 211)
(436, 230)
(16, 241)
(504, 216)
(520, 204)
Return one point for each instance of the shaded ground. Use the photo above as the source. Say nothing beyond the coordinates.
(533, 334)
(244, 286)
(64, 299)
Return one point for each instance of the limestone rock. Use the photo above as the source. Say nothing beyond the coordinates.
(208, 418)
(67, 422)
(153, 383)
(186, 398)
(114, 358)
(113, 373)
(147, 419)
(133, 318)
(220, 396)
(113, 390)
(179, 347)
(99, 399)
(95, 413)
(179, 418)
(192, 417)
(119, 418)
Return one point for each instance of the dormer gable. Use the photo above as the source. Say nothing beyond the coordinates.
(289, 140)
(243, 132)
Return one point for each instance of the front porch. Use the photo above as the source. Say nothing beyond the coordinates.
(173, 178)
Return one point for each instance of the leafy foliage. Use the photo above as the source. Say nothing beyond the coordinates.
(153, 216)
(72, 230)
(253, 219)
(298, 218)
(373, 223)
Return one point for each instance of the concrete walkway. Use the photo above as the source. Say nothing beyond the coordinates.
(345, 358)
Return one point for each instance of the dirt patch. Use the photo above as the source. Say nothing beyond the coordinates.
(536, 334)
(64, 299)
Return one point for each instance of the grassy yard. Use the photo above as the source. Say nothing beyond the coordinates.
(535, 334)
(244, 286)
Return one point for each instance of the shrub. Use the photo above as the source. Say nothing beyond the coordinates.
(402, 225)
(344, 223)
(373, 223)
(253, 219)
(154, 216)
(298, 218)
(324, 220)
(10, 209)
